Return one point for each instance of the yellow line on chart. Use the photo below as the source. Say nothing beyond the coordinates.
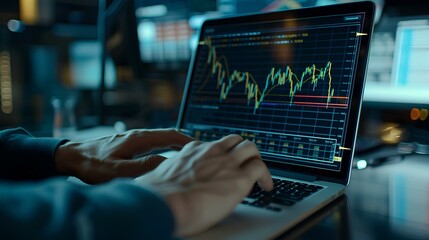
(358, 34)
(344, 148)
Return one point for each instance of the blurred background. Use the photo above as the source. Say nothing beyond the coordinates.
(123, 63)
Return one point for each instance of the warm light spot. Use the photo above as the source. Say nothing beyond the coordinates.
(391, 134)
(424, 114)
(28, 10)
(415, 114)
(5, 83)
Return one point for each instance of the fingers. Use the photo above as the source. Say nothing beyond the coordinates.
(148, 163)
(222, 147)
(162, 138)
(214, 156)
(255, 167)
(244, 151)
(233, 153)
(143, 141)
(256, 170)
(228, 142)
(198, 151)
(137, 167)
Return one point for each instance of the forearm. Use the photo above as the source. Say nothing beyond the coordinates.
(58, 209)
(24, 157)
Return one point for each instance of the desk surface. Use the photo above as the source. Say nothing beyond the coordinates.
(390, 201)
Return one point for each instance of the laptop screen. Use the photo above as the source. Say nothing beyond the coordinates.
(285, 81)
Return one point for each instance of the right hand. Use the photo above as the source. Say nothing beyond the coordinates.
(204, 182)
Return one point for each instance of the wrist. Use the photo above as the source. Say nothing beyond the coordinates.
(174, 198)
(177, 206)
(66, 159)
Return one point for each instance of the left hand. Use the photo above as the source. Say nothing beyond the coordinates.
(121, 155)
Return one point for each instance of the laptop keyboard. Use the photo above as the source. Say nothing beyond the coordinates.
(285, 192)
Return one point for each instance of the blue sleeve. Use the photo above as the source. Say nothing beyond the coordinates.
(24, 157)
(58, 209)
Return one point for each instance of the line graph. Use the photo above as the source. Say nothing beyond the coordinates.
(227, 80)
(288, 91)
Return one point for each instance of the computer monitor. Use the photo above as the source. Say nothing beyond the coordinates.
(398, 70)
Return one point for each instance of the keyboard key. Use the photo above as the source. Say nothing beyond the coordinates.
(283, 201)
(276, 180)
(260, 203)
(254, 195)
(272, 193)
(310, 189)
(305, 194)
(295, 198)
(285, 190)
(285, 193)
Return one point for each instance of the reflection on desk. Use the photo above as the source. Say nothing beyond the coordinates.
(387, 202)
(331, 222)
(392, 201)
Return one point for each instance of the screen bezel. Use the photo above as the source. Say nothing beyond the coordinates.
(366, 7)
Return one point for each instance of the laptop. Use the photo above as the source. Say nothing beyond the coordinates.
(291, 82)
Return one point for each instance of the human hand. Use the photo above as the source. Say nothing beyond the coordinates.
(120, 155)
(204, 182)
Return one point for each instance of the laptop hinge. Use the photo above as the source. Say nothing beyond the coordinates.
(299, 176)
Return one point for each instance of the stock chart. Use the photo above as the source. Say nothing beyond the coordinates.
(285, 86)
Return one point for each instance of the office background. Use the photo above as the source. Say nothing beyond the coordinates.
(51, 55)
